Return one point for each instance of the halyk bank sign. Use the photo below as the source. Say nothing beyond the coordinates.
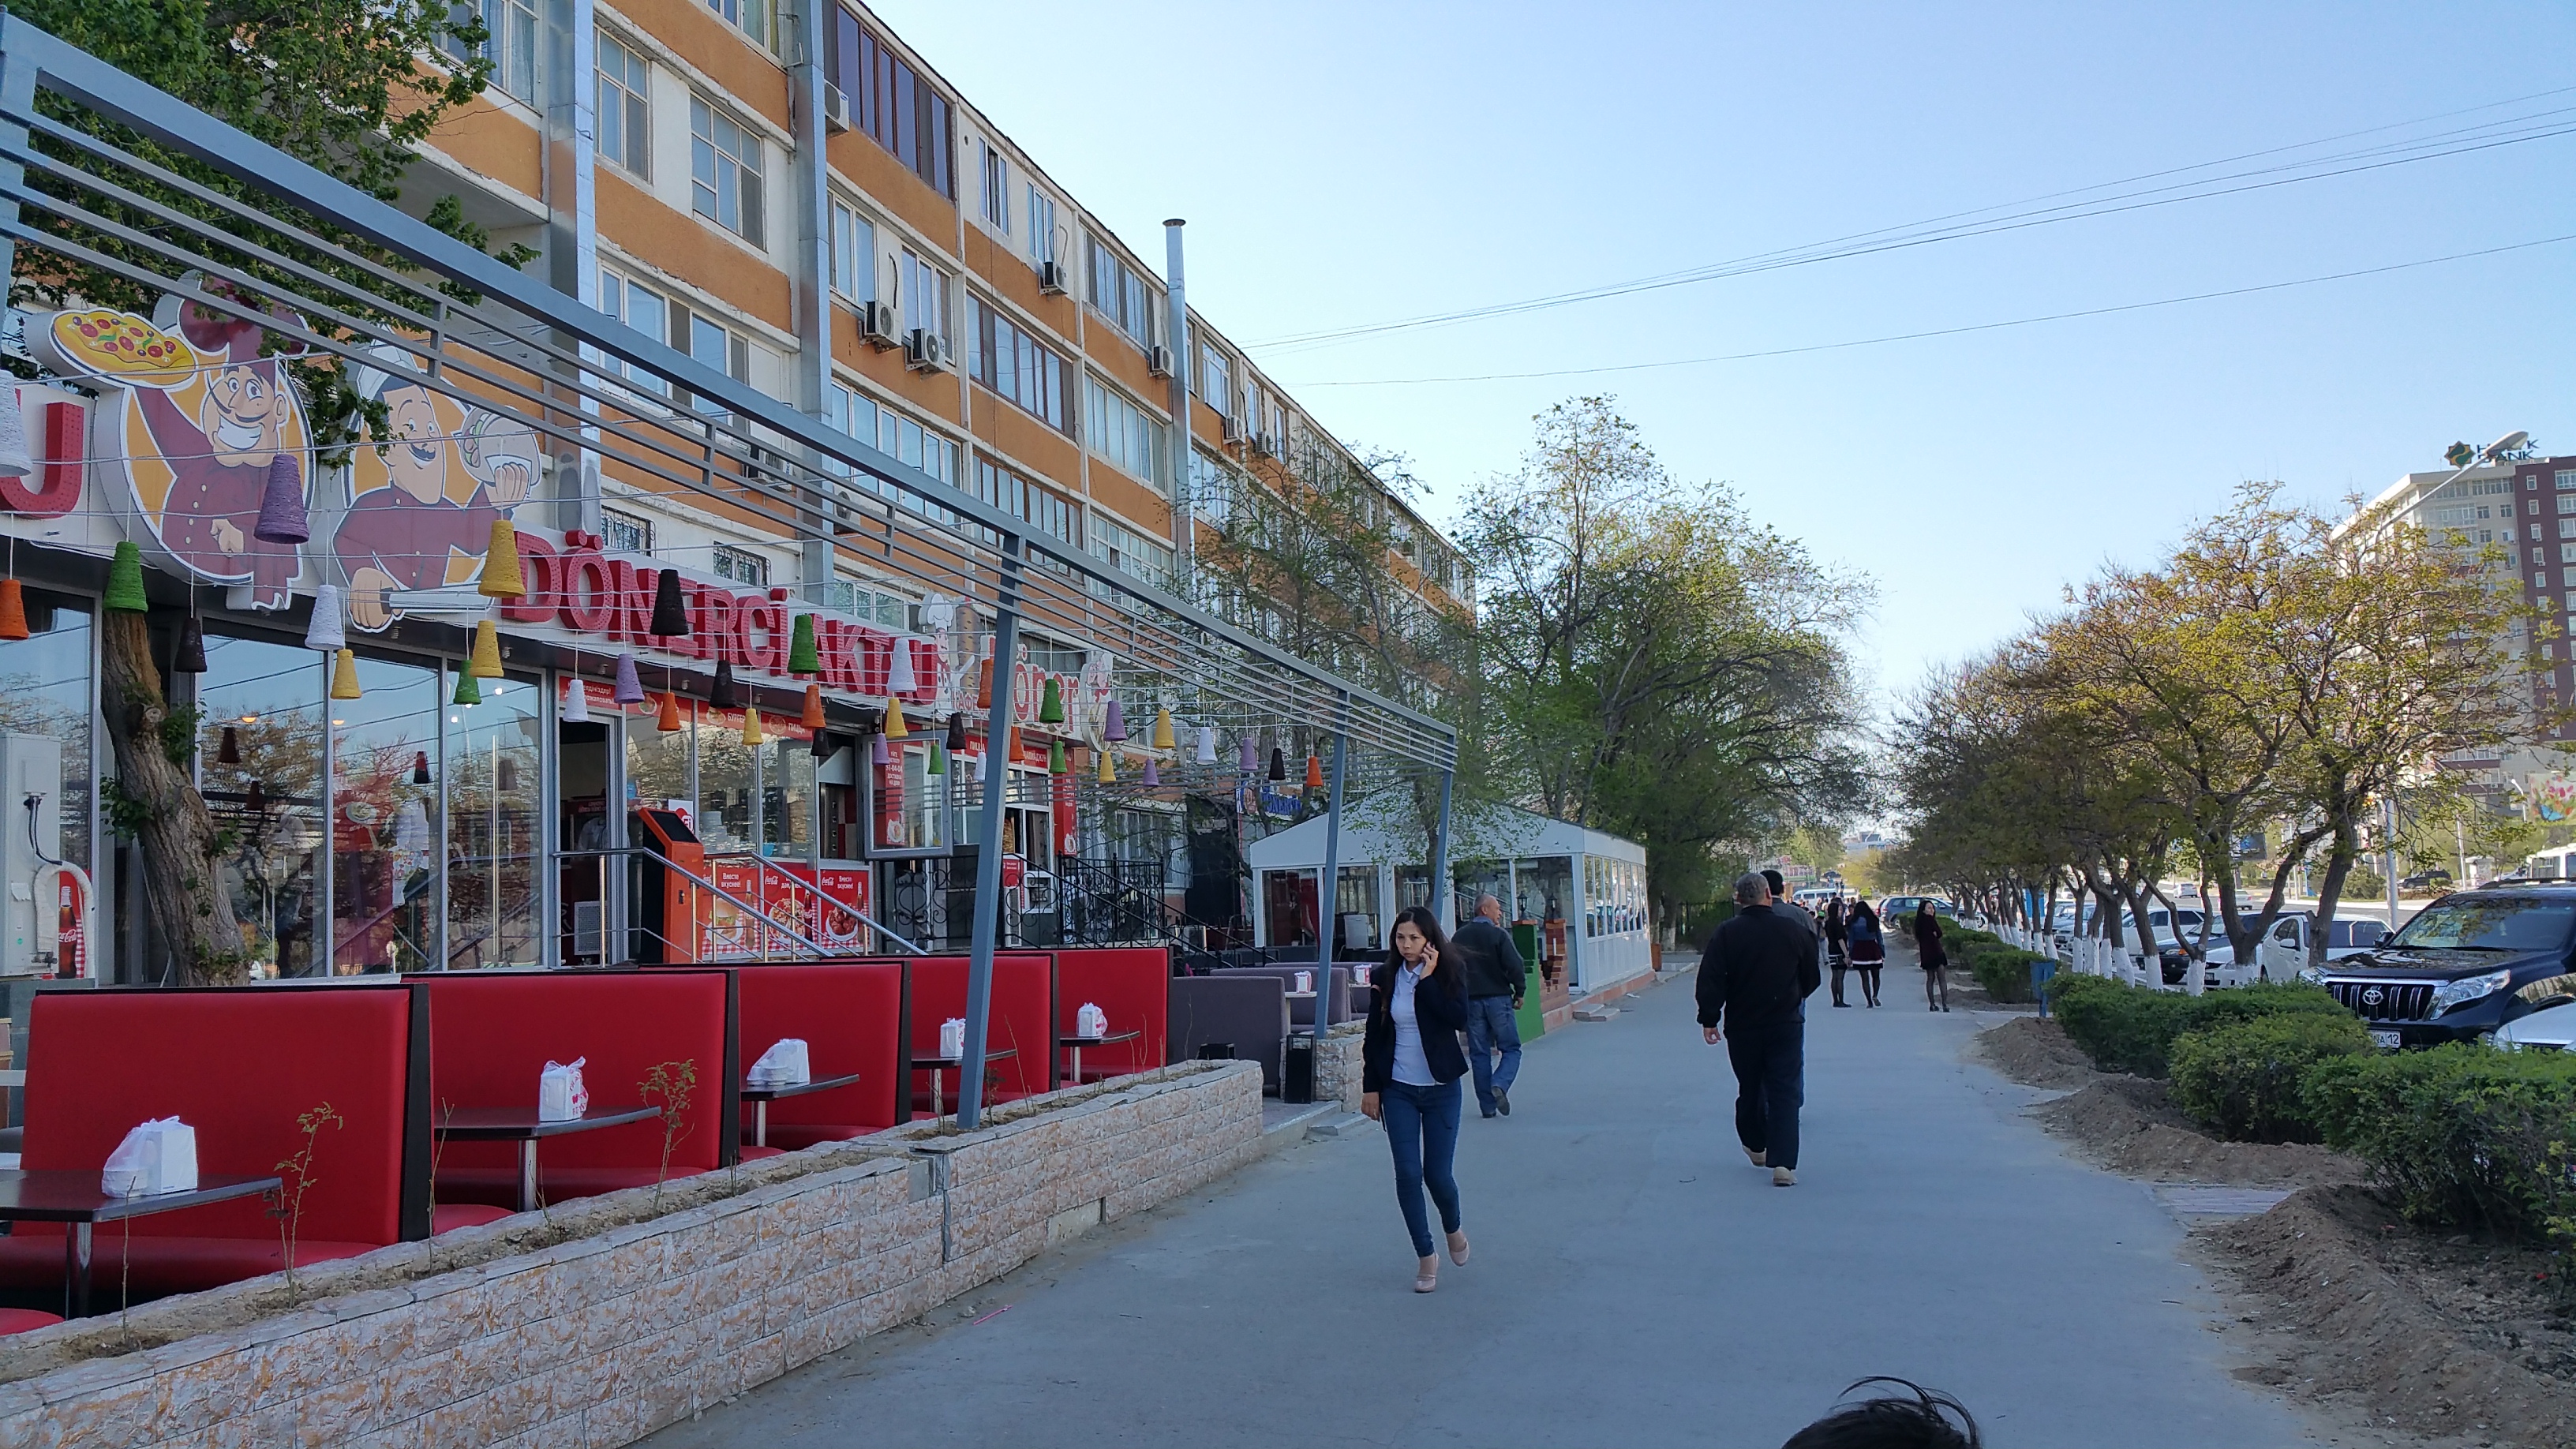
(183, 425)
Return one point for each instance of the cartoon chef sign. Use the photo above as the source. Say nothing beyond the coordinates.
(422, 503)
(196, 406)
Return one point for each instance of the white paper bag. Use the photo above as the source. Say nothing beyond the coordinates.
(155, 1157)
(1305, 981)
(1090, 1021)
(561, 1096)
(952, 1037)
(785, 1064)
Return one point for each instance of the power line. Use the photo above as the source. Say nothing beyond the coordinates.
(1949, 331)
(2540, 125)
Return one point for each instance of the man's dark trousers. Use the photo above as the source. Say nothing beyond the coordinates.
(1491, 1024)
(1770, 1060)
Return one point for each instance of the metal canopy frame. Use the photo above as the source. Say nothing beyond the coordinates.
(322, 266)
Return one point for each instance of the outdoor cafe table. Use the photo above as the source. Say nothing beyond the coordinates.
(74, 1198)
(1077, 1043)
(936, 1065)
(520, 1125)
(760, 1097)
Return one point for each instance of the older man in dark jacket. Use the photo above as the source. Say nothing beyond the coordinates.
(1754, 980)
(1496, 979)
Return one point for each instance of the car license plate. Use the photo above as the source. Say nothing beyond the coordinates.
(2384, 1040)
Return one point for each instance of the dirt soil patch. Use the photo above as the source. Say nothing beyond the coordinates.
(2349, 1306)
(2130, 1125)
(2035, 1053)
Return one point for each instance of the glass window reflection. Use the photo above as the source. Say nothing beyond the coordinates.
(494, 759)
(384, 808)
(259, 758)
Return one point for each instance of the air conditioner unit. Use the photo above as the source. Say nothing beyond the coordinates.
(1051, 278)
(1266, 444)
(1158, 361)
(925, 351)
(1236, 429)
(836, 108)
(879, 324)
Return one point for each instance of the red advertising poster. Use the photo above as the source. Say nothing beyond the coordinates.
(823, 907)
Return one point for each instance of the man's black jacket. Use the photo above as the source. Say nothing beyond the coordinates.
(1494, 964)
(1758, 967)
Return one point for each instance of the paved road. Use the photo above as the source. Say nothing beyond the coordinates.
(1634, 1282)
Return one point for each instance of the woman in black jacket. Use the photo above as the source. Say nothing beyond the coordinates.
(1935, 958)
(1409, 1070)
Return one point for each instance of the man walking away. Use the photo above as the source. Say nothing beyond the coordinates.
(1496, 978)
(1780, 902)
(1754, 980)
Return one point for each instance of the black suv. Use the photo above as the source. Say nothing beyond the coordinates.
(2465, 965)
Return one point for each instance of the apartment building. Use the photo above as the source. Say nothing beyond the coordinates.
(793, 198)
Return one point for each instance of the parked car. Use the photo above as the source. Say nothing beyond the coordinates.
(2551, 1028)
(2284, 950)
(2467, 965)
(2436, 879)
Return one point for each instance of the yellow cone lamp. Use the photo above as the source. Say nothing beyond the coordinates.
(502, 576)
(344, 676)
(486, 662)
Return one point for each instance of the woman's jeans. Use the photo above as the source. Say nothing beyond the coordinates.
(1422, 1127)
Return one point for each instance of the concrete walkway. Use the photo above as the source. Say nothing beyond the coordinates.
(1634, 1281)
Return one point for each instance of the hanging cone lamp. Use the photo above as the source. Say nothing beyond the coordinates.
(1051, 708)
(467, 690)
(486, 661)
(1207, 744)
(879, 752)
(13, 611)
(255, 800)
(751, 734)
(281, 503)
(825, 746)
(420, 767)
(901, 677)
(1314, 773)
(670, 612)
(190, 658)
(669, 722)
(1278, 763)
(1055, 758)
(502, 576)
(938, 760)
(895, 728)
(1250, 762)
(14, 459)
(1108, 768)
(228, 748)
(1116, 728)
(1153, 777)
(814, 709)
(324, 632)
(984, 688)
(1163, 738)
(344, 677)
(957, 730)
(505, 775)
(802, 656)
(576, 700)
(724, 693)
(125, 589)
(628, 689)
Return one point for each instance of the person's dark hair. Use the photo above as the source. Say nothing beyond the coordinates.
(1862, 908)
(1834, 911)
(1893, 1421)
(1924, 911)
(1779, 885)
(1429, 925)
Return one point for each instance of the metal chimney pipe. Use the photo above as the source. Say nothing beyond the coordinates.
(1177, 328)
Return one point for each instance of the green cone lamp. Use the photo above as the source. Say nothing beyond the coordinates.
(802, 657)
(125, 583)
(1051, 708)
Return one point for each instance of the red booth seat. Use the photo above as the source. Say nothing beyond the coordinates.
(492, 1032)
(850, 1016)
(1132, 986)
(1023, 1019)
(19, 1320)
(239, 1064)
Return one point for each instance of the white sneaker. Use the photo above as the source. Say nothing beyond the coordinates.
(1783, 1177)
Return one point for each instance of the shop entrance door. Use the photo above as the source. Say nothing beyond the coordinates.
(583, 828)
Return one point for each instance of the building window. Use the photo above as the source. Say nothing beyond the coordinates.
(645, 310)
(854, 253)
(751, 17)
(1123, 548)
(1047, 511)
(997, 189)
(724, 172)
(742, 566)
(625, 121)
(713, 344)
(925, 295)
(1007, 359)
(892, 103)
(891, 433)
(1121, 295)
(1125, 434)
(625, 532)
(1214, 489)
(510, 40)
(1042, 247)
(2566, 479)
(2566, 555)
(1216, 380)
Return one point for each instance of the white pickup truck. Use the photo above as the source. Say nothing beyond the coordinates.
(2284, 948)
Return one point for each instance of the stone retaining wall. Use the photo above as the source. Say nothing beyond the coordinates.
(600, 1341)
(1337, 1066)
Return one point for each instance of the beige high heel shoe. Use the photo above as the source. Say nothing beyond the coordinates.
(1458, 1248)
(1429, 1277)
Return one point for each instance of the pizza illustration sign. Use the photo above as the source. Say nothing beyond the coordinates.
(195, 408)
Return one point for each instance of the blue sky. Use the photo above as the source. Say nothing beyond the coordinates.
(1348, 164)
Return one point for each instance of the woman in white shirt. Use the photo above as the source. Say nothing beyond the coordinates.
(1410, 1066)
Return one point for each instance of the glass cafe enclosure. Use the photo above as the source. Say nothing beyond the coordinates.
(1583, 890)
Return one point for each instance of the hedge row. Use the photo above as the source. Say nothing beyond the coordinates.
(2461, 1135)
(2126, 1028)
(2246, 1079)
(2002, 969)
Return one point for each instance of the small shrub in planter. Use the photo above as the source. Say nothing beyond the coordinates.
(2004, 972)
(2126, 1028)
(2243, 1078)
(2461, 1135)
